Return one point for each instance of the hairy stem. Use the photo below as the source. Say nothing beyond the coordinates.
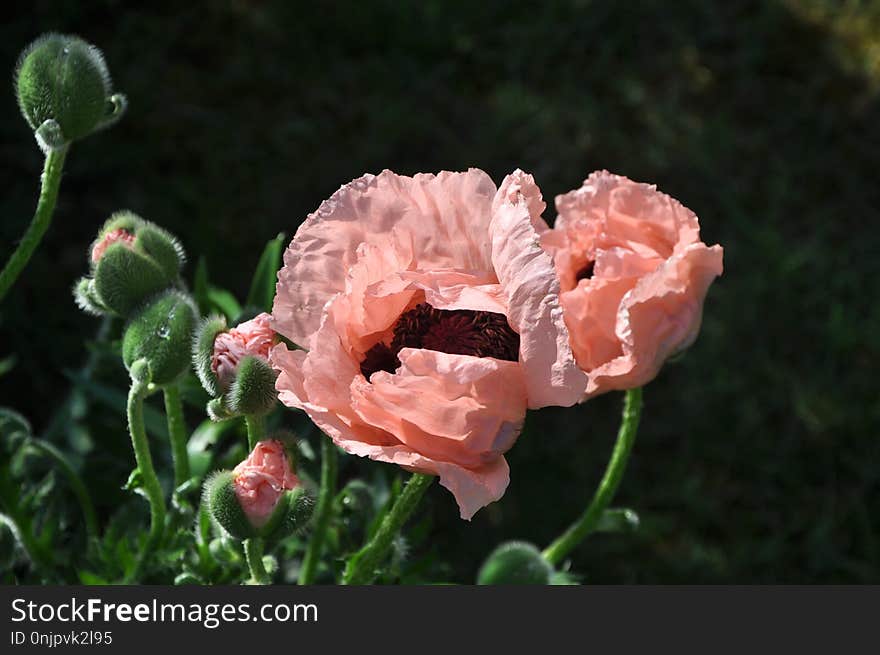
(253, 551)
(363, 566)
(632, 409)
(323, 510)
(256, 429)
(49, 185)
(151, 485)
(177, 433)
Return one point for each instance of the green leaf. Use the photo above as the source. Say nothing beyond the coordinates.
(199, 446)
(87, 577)
(223, 301)
(135, 481)
(262, 291)
(154, 420)
(187, 578)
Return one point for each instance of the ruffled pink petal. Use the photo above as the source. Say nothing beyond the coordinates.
(527, 275)
(455, 408)
(260, 480)
(251, 338)
(632, 277)
(442, 218)
(486, 477)
(660, 316)
(615, 211)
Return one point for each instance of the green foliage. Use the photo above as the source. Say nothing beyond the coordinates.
(262, 291)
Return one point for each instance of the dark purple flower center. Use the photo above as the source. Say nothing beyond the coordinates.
(453, 331)
(586, 272)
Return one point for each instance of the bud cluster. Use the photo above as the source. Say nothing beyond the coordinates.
(135, 274)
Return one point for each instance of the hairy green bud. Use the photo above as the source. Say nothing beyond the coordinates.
(64, 89)
(203, 352)
(253, 389)
(161, 334)
(223, 506)
(292, 512)
(132, 260)
(87, 299)
(515, 563)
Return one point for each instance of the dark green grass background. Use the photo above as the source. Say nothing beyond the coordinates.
(759, 456)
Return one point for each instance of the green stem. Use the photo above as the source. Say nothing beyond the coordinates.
(363, 566)
(145, 464)
(50, 182)
(323, 510)
(253, 551)
(256, 429)
(177, 433)
(76, 483)
(632, 409)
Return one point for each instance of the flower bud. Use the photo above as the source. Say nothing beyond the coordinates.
(261, 497)
(253, 390)
(223, 505)
(87, 299)
(515, 562)
(132, 260)
(203, 352)
(64, 89)
(161, 334)
(233, 364)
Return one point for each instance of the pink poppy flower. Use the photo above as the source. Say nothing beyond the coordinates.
(430, 321)
(633, 275)
(114, 236)
(254, 337)
(260, 480)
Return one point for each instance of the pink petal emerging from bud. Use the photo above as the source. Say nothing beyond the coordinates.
(251, 338)
(118, 235)
(261, 479)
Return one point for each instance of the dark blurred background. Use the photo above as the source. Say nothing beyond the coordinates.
(759, 456)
